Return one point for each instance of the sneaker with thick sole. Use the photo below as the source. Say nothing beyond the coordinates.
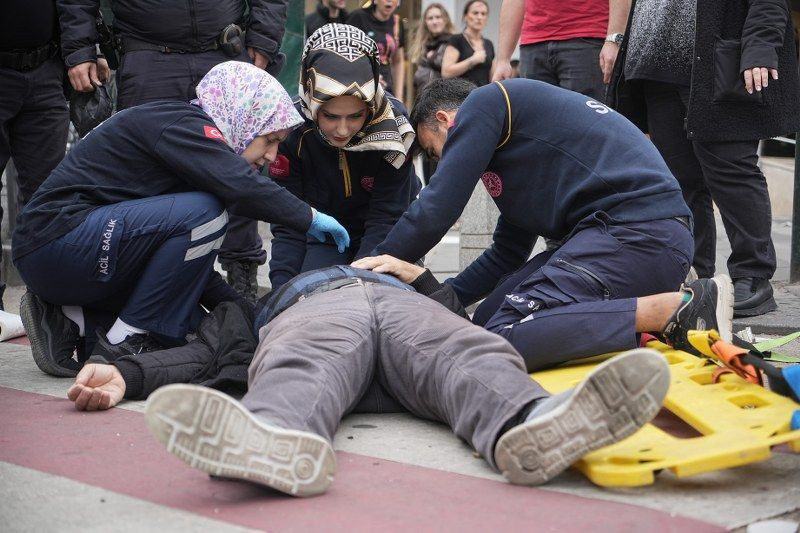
(214, 433)
(710, 306)
(752, 297)
(53, 336)
(612, 402)
(131, 345)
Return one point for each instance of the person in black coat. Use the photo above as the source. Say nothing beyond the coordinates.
(327, 11)
(348, 158)
(707, 84)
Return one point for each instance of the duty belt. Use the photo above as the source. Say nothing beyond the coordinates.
(130, 44)
(26, 60)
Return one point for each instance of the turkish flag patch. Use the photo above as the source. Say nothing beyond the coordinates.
(213, 133)
(367, 183)
(280, 167)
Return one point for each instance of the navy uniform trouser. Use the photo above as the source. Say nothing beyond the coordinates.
(34, 120)
(147, 76)
(580, 300)
(145, 261)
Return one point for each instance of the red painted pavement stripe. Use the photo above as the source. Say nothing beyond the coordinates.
(113, 450)
(19, 340)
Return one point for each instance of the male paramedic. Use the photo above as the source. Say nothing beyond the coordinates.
(564, 166)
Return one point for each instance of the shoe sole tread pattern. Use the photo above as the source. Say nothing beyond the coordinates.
(38, 333)
(724, 309)
(216, 434)
(613, 402)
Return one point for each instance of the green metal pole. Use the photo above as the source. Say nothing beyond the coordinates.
(292, 46)
(794, 265)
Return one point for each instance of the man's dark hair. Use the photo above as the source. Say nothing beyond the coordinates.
(439, 95)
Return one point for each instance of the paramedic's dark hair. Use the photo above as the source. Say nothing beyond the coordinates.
(444, 95)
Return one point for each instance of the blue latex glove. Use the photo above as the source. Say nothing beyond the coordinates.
(322, 224)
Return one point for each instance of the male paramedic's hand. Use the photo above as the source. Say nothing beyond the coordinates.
(259, 59)
(759, 77)
(97, 387)
(322, 224)
(82, 75)
(387, 264)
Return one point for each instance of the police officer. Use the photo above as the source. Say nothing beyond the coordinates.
(167, 47)
(33, 111)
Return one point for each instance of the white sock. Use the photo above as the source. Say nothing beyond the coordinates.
(75, 313)
(121, 331)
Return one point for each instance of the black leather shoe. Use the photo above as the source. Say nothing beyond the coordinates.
(242, 276)
(752, 297)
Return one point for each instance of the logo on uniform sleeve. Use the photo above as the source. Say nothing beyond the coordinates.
(213, 133)
(493, 184)
(367, 183)
(280, 167)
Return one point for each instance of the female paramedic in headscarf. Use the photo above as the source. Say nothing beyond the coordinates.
(124, 232)
(348, 158)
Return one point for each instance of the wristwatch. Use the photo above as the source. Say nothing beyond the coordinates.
(615, 38)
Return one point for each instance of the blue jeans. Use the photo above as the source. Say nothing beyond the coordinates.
(580, 300)
(573, 64)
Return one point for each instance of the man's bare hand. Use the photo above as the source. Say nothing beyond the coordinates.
(386, 264)
(608, 55)
(478, 57)
(103, 72)
(82, 75)
(502, 71)
(259, 59)
(97, 387)
(758, 77)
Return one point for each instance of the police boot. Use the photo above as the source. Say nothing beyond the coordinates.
(242, 277)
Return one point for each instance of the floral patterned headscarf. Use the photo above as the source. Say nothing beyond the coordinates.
(245, 102)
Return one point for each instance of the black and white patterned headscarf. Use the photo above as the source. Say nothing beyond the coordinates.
(341, 60)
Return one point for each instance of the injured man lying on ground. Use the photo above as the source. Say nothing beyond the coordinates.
(342, 340)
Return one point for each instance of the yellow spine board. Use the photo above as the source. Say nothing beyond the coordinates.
(739, 423)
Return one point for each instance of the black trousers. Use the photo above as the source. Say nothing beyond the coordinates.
(725, 173)
(34, 121)
(148, 75)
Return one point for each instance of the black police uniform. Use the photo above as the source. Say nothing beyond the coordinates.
(33, 110)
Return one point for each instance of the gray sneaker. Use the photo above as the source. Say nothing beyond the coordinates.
(612, 402)
(214, 433)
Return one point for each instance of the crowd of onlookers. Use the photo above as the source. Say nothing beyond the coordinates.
(694, 76)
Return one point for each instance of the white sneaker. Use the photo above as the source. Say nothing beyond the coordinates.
(214, 433)
(612, 402)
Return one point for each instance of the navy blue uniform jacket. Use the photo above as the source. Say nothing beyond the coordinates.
(361, 190)
(144, 151)
(549, 158)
